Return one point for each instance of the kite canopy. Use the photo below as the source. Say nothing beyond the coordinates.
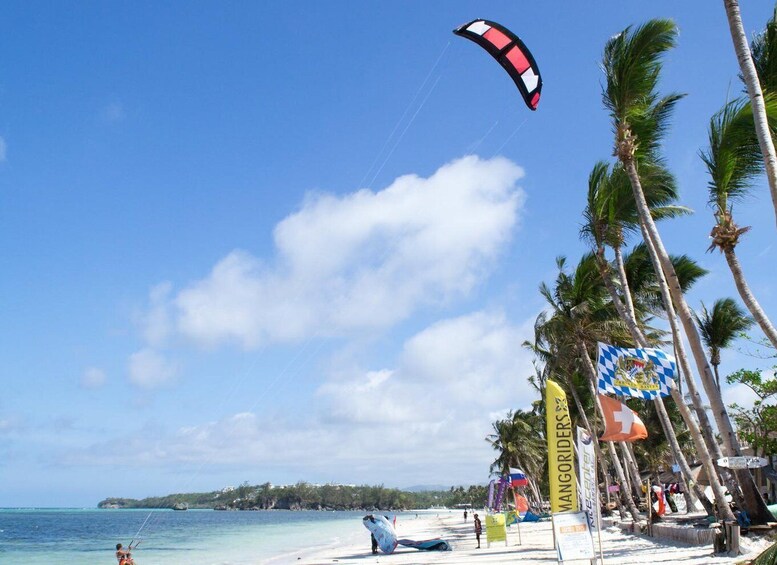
(511, 53)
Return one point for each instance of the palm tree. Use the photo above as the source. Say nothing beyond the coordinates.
(519, 441)
(632, 65)
(610, 216)
(754, 92)
(733, 159)
(720, 327)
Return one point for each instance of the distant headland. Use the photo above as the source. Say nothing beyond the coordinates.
(307, 496)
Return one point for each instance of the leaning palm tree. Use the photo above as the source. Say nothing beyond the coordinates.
(755, 93)
(720, 326)
(611, 216)
(733, 159)
(632, 65)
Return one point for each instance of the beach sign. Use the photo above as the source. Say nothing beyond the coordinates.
(495, 528)
(561, 450)
(589, 488)
(573, 536)
(742, 462)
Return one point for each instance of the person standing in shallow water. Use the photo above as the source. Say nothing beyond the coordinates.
(478, 530)
(123, 555)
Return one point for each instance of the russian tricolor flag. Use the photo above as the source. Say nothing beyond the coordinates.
(517, 478)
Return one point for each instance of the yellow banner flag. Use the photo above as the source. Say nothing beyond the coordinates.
(561, 450)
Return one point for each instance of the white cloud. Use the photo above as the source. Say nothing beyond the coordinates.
(361, 261)
(3, 150)
(399, 425)
(93, 378)
(149, 369)
(155, 322)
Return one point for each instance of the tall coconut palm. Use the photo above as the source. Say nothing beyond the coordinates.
(755, 93)
(632, 65)
(733, 159)
(720, 326)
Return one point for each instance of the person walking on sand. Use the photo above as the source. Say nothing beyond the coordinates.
(465, 515)
(374, 544)
(478, 530)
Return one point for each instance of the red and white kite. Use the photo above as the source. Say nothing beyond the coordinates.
(512, 54)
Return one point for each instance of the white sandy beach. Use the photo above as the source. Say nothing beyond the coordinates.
(535, 546)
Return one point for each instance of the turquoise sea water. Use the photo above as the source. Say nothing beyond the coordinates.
(201, 537)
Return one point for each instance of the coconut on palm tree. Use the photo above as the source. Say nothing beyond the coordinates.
(733, 159)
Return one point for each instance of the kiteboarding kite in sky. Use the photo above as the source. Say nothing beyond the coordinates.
(511, 53)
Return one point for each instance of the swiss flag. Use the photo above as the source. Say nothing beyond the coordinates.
(621, 423)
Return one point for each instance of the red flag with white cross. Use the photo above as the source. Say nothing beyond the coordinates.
(621, 423)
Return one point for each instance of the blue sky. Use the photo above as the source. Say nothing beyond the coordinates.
(287, 241)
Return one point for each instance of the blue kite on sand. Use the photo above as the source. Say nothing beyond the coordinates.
(436, 544)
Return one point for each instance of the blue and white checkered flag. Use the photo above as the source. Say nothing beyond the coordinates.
(639, 372)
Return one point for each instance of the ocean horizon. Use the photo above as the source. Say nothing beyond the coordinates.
(41, 536)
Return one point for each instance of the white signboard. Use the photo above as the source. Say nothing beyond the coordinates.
(743, 462)
(589, 491)
(573, 537)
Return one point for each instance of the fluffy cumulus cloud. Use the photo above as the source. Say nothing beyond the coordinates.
(431, 411)
(149, 369)
(360, 261)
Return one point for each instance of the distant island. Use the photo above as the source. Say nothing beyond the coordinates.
(306, 496)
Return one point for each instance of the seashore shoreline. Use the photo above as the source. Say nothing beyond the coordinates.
(532, 543)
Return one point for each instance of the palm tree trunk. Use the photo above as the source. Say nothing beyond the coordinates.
(713, 450)
(750, 76)
(532, 485)
(625, 496)
(624, 280)
(747, 296)
(633, 471)
(623, 312)
(663, 266)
